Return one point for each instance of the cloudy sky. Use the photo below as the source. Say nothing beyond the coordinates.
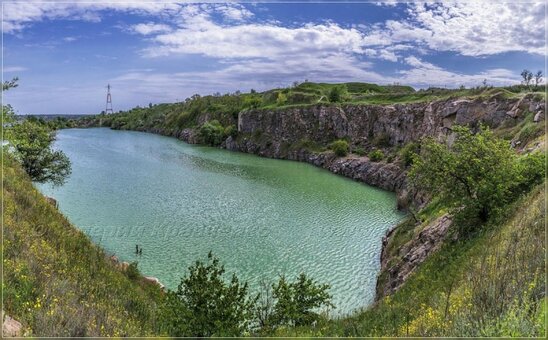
(65, 53)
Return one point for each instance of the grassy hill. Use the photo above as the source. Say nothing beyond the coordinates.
(56, 282)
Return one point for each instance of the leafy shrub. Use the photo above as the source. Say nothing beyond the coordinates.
(532, 170)
(205, 305)
(359, 151)
(297, 302)
(340, 147)
(252, 102)
(212, 133)
(281, 99)
(376, 155)
(337, 94)
(408, 152)
(231, 130)
(132, 272)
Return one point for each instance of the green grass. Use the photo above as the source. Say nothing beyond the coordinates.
(56, 282)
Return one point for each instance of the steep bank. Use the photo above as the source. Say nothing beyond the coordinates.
(56, 282)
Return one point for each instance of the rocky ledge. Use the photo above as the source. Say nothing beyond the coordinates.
(396, 268)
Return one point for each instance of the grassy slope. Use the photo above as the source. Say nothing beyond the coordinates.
(56, 282)
(490, 285)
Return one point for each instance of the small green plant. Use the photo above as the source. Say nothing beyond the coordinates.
(340, 147)
(132, 272)
(408, 152)
(252, 102)
(376, 155)
(231, 131)
(359, 151)
(281, 99)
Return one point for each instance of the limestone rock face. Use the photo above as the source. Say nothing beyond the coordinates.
(398, 268)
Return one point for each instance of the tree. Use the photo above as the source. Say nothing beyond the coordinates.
(527, 77)
(205, 305)
(297, 302)
(538, 78)
(31, 143)
(337, 93)
(474, 175)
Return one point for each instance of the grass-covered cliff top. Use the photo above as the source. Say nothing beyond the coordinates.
(225, 107)
(56, 281)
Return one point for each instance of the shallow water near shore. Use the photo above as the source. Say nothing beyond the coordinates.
(261, 217)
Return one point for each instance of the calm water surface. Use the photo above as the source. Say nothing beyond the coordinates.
(262, 217)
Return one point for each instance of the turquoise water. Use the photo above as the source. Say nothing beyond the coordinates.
(262, 217)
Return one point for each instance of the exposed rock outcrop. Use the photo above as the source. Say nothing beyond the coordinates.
(10, 326)
(396, 268)
(153, 280)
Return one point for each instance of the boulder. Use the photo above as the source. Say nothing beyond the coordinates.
(124, 266)
(153, 280)
(10, 326)
(538, 116)
(52, 201)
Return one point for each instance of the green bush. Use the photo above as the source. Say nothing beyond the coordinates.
(231, 130)
(297, 303)
(132, 272)
(340, 147)
(252, 102)
(212, 133)
(206, 305)
(359, 151)
(281, 99)
(408, 152)
(337, 94)
(376, 155)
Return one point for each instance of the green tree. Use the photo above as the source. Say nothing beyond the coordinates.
(297, 303)
(31, 143)
(527, 77)
(205, 305)
(474, 175)
(337, 94)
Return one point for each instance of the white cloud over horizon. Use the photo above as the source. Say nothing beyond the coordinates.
(257, 53)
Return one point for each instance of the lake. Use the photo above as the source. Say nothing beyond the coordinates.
(261, 217)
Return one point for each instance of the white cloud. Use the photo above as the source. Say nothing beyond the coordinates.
(69, 39)
(12, 69)
(426, 74)
(475, 28)
(150, 28)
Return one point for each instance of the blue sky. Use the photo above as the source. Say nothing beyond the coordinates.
(65, 53)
